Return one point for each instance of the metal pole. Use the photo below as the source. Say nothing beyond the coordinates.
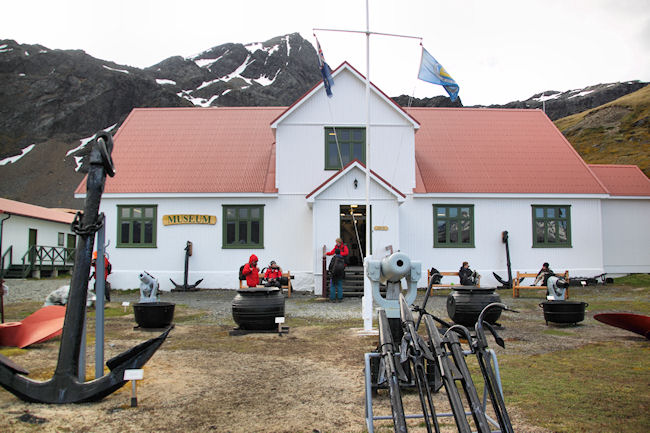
(82, 354)
(99, 303)
(367, 288)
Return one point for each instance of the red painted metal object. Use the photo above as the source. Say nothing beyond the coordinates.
(38, 327)
(637, 323)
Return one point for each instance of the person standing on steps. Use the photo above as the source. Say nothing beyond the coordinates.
(343, 250)
(337, 273)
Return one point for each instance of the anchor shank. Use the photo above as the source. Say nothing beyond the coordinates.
(68, 361)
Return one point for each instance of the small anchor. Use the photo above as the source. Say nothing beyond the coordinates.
(64, 386)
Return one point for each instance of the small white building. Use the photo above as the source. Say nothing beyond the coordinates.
(283, 182)
(34, 239)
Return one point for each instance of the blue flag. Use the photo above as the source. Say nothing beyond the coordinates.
(325, 70)
(433, 72)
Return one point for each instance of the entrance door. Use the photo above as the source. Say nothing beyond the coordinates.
(70, 247)
(353, 231)
(32, 243)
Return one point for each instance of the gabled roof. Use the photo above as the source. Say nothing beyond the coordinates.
(622, 180)
(194, 150)
(467, 150)
(348, 167)
(345, 66)
(32, 211)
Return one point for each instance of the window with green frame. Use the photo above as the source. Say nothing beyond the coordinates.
(351, 143)
(136, 226)
(243, 226)
(453, 226)
(551, 226)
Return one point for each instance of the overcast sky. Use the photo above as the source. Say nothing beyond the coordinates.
(497, 51)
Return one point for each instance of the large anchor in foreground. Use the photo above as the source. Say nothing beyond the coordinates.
(65, 386)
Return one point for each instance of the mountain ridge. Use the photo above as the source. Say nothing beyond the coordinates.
(53, 101)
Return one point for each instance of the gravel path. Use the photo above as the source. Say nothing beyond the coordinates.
(217, 301)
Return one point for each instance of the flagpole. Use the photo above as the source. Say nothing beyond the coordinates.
(366, 303)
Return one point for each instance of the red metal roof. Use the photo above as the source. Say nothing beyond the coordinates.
(467, 150)
(29, 210)
(457, 150)
(622, 180)
(194, 150)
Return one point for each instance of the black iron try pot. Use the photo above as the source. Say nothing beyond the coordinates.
(153, 314)
(564, 311)
(465, 304)
(256, 308)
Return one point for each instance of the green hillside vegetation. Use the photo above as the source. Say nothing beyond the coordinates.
(614, 133)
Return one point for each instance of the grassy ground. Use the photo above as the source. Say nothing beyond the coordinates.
(556, 378)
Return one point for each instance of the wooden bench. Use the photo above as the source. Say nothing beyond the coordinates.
(516, 286)
(287, 275)
(446, 286)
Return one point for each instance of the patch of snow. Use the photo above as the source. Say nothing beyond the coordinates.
(22, 75)
(254, 47)
(12, 159)
(201, 63)
(547, 97)
(78, 160)
(226, 91)
(273, 49)
(583, 93)
(199, 102)
(207, 83)
(27, 53)
(162, 81)
(288, 47)
(85, 141)
(42, 51)
(4, 48)
(116, 70)
(610, 85)
(264, 81)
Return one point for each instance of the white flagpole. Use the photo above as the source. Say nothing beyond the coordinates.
(366, 302)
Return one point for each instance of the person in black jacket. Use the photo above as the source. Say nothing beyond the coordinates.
(543, 274)
(467, 276)
(337, 273)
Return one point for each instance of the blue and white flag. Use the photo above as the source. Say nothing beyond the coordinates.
(325, 70)
(433, 72)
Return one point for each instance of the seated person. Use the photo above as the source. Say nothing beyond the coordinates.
(467, 276)
(273, 275)
(543, 274)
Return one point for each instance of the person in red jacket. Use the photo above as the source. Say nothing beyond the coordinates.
(107, 270)
(251, 272)
(343, 249)
(273, 274)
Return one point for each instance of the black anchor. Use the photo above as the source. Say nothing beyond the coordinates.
(64, 386)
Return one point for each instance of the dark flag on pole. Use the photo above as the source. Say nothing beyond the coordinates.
(433, 72)
(325, 70)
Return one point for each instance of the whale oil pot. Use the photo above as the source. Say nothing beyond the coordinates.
(564, 311)
(465, 304)
(153, 314)
(256, 308)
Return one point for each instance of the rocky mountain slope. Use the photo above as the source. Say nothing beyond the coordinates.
(614, 133)
(53, 101)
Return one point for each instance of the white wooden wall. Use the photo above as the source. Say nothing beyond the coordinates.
(491, 217)
(626, 235)
(16, 232)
